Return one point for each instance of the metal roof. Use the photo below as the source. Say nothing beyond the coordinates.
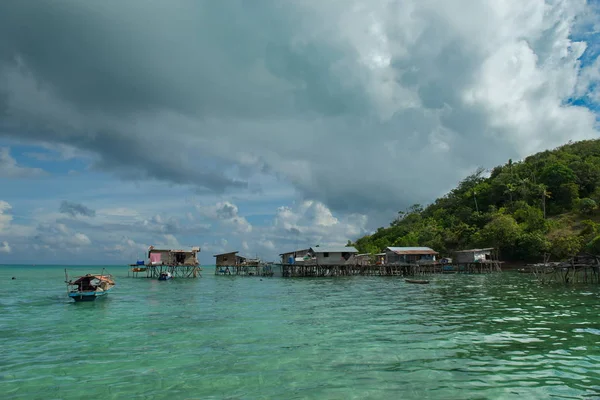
(169, 251)
(334, 249)
(474, 250)
(412, 250)
(293, 251)
(224, 254)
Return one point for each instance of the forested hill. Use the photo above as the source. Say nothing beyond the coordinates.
(545, 203)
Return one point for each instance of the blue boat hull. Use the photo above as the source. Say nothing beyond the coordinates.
(87, 296)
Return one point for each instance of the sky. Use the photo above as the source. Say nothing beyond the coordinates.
(265, 126)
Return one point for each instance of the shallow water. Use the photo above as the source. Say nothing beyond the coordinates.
(460, 337)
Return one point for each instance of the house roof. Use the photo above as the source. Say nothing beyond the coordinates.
(293, 251)
(412, 250)
(334, 249)
(169, 251)
(224, 254)
(474, 250)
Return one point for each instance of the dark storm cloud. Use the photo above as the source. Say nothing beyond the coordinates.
(75, 209)
(378, 104)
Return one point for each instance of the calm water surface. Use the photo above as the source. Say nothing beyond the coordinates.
(461, 337)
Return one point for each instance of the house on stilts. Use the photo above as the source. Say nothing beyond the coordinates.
(480, 261)
(233, 264)
(319, 261)
(179, 263)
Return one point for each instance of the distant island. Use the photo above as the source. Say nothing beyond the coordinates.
(546, 204)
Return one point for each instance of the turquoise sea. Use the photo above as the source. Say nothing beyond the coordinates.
(220, 337)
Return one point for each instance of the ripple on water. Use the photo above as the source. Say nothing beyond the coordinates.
(476, 337)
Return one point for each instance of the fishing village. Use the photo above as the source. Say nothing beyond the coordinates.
(415, 264)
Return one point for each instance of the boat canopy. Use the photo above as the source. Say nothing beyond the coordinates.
(89, 277)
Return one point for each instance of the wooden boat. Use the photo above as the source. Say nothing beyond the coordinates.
(89, 287)
(418, 281)
(165, 276)
(139, 266)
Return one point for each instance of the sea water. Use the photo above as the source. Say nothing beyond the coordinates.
(499, 336)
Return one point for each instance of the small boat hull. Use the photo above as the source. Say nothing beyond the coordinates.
(89, 287)
(87, 296)
(165, 276)
(417, 281)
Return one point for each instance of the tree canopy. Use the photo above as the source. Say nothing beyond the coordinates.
(546, 203)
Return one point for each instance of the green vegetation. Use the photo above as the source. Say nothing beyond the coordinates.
(547, 203)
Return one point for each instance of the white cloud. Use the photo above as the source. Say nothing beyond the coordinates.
(10, 169)
(170, 242)
(226, 214)
(311, 222)
(81, 239)
(5, 248)
(118, 212)
(5, 219)
(58, 236)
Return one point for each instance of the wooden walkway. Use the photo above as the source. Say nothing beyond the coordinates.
(154, 271)
(407, 269)
(581, 269)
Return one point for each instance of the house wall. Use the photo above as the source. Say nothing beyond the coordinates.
(190, 258)
(165, 256)
(471, 256)
(300, 253)
(168, 258)
(393, 258)
(334, 258)
(226, 259)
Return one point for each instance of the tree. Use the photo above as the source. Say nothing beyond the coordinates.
(523, 208)
(594, 246)
(531, 246)
(587, 206)
(501, 232)
(565, 244)
(561, 181)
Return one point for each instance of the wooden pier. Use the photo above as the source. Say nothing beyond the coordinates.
(580, 269)
(177, 271)
(397, 269)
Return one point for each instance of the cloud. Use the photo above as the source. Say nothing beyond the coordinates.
(57, 152)
(125, 247)
(167, 226)
(354, 110)
(369, 106)
(75, 209)
(311, 222)
(10, 169)
(57, 236)
(226, 214)
(5, 219)
(5, 248)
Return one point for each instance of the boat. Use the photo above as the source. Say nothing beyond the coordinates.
(89, 287)
(165, 276)
(139, 266)
(418, 281)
